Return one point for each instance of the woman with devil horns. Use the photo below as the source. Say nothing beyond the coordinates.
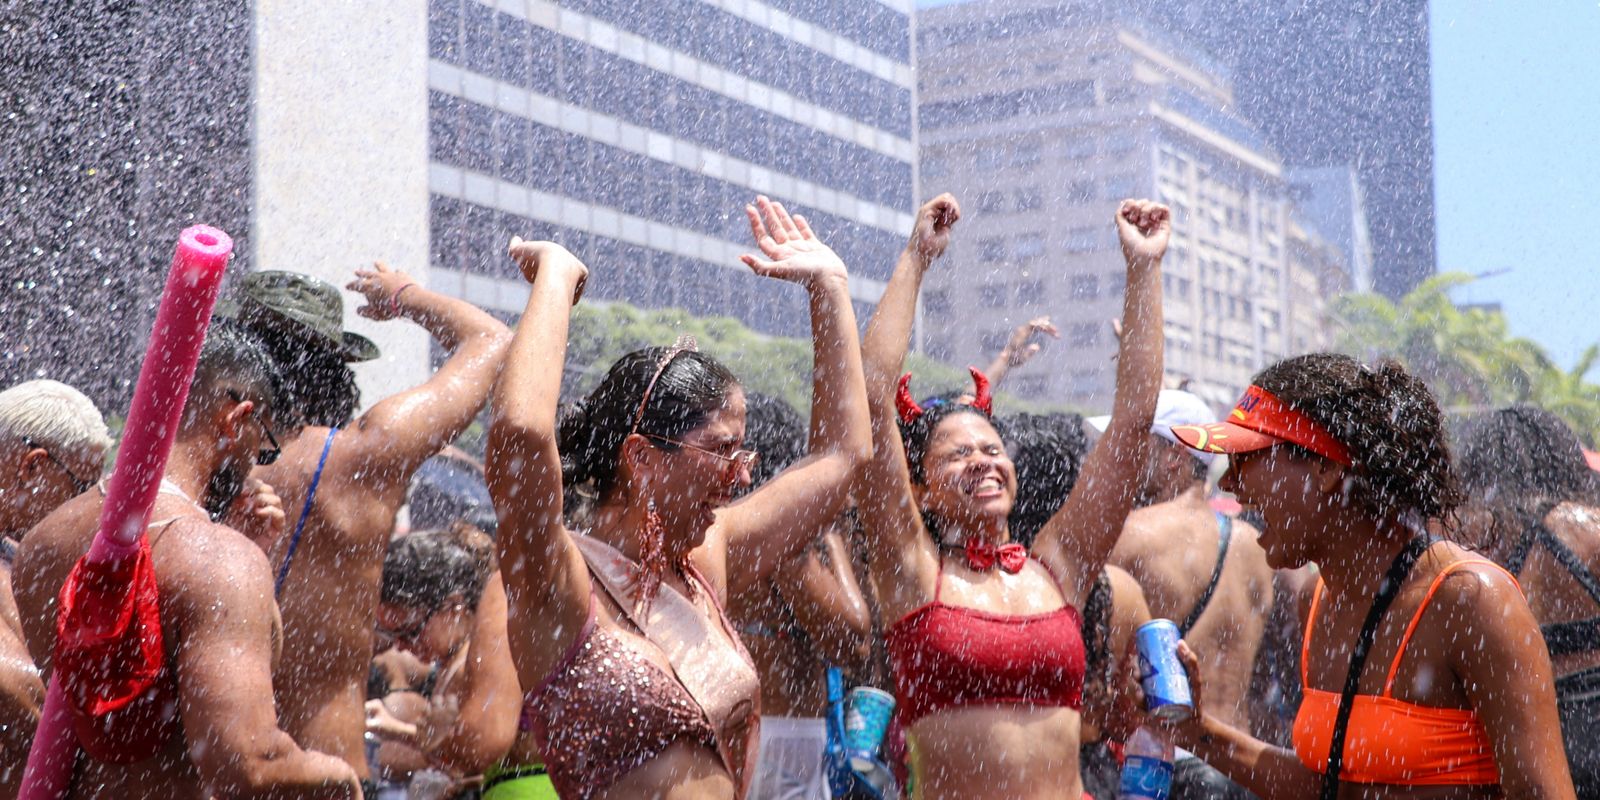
(637, 684)
(986, 647)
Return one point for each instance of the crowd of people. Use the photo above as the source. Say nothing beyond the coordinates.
(643, 592)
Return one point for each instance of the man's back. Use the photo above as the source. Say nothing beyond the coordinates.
(197, 564)
(1172, 549)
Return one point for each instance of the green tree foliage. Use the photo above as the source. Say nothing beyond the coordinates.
(1468, 355)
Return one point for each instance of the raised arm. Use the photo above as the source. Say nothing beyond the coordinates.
(226, 704)
(768, 526)
(487, 690)
(400, 432)
(902, 556)
(1020, 348)
(826, 599)
(1077, 540)
(546, 582)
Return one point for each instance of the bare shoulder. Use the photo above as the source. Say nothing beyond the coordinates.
(1149, 530)
(1482, 593)
(204, 563)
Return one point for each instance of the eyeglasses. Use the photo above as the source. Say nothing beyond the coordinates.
(266, 455)
(79, 485)
(732, 463)
(405, 634)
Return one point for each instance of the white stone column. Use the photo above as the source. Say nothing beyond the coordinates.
(340, 160)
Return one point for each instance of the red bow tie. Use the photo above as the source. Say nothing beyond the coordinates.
(982, 555)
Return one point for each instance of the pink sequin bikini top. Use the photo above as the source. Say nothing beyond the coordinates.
(607, 710)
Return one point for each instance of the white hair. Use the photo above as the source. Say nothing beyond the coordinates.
(52, 414)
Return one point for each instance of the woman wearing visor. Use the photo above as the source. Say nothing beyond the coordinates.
(1452, 693)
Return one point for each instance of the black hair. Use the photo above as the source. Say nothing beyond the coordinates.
(233, 360)
(321, 387)
(1048, 451)
(1389, 421)
(915, 435)
(690, 389)
(1520, 462)
(775, 430)
(424, 569)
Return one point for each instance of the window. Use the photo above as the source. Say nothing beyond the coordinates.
(1120, 187)
(936, 301)
(1026, 155)
(1079, 192)
(992, 250)
(1085, 287)
(992, 201)
(935, 167)
(1082, 240)
(990, 158)
(994, 341)
(1029, 247)
(1116, 283)
(1078, 149)
(1030, 199)
(1085, 382)
(1084, 334)
(994, 295)
(1031, 292)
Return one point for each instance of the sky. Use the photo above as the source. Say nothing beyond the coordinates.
(1516, 101)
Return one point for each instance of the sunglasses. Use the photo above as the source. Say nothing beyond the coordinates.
(79, 485)
(266, 455)
(405, 634)
(732, 463)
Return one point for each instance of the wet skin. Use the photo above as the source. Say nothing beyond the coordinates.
(1171, 549)
(1476, 632)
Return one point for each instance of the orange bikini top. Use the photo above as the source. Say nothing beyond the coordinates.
(1390, 741)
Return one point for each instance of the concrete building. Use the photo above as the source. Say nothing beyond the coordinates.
(1041, 119)
(1329, 200)
(1338, 82)
(425, 133)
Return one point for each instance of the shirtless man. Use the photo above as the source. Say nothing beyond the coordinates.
(220, 628)
(52, 444)
(1218, 593)
(329, 595)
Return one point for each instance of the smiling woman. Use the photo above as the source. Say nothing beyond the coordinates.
(1349, 468)
(618, 627)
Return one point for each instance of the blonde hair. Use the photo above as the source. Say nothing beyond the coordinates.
(52, 414)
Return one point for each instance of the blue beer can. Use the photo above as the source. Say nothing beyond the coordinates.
(1166, 684)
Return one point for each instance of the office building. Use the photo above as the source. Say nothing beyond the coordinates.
(425, 133)
(1041, 119)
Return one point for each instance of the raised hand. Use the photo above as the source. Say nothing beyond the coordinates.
(257, 512)
(531, 256)
(381, 286)
(931, 234)
(1021, 348)
(1144, 227)
(795, 252)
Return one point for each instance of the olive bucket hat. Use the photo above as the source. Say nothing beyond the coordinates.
(300, 304)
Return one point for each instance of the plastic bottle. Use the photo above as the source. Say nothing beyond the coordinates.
(1147, 766)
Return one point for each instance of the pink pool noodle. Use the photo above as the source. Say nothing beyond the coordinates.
(158, 400)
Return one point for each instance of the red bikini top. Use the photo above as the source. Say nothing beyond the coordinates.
(948, 657)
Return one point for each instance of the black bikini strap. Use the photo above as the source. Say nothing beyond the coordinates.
(1570, 560)
(1387, 590)
(1518, 557)
(1224, 535)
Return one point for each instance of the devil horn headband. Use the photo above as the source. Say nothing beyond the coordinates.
(904, 403)
(910, 411)
(981, 399)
